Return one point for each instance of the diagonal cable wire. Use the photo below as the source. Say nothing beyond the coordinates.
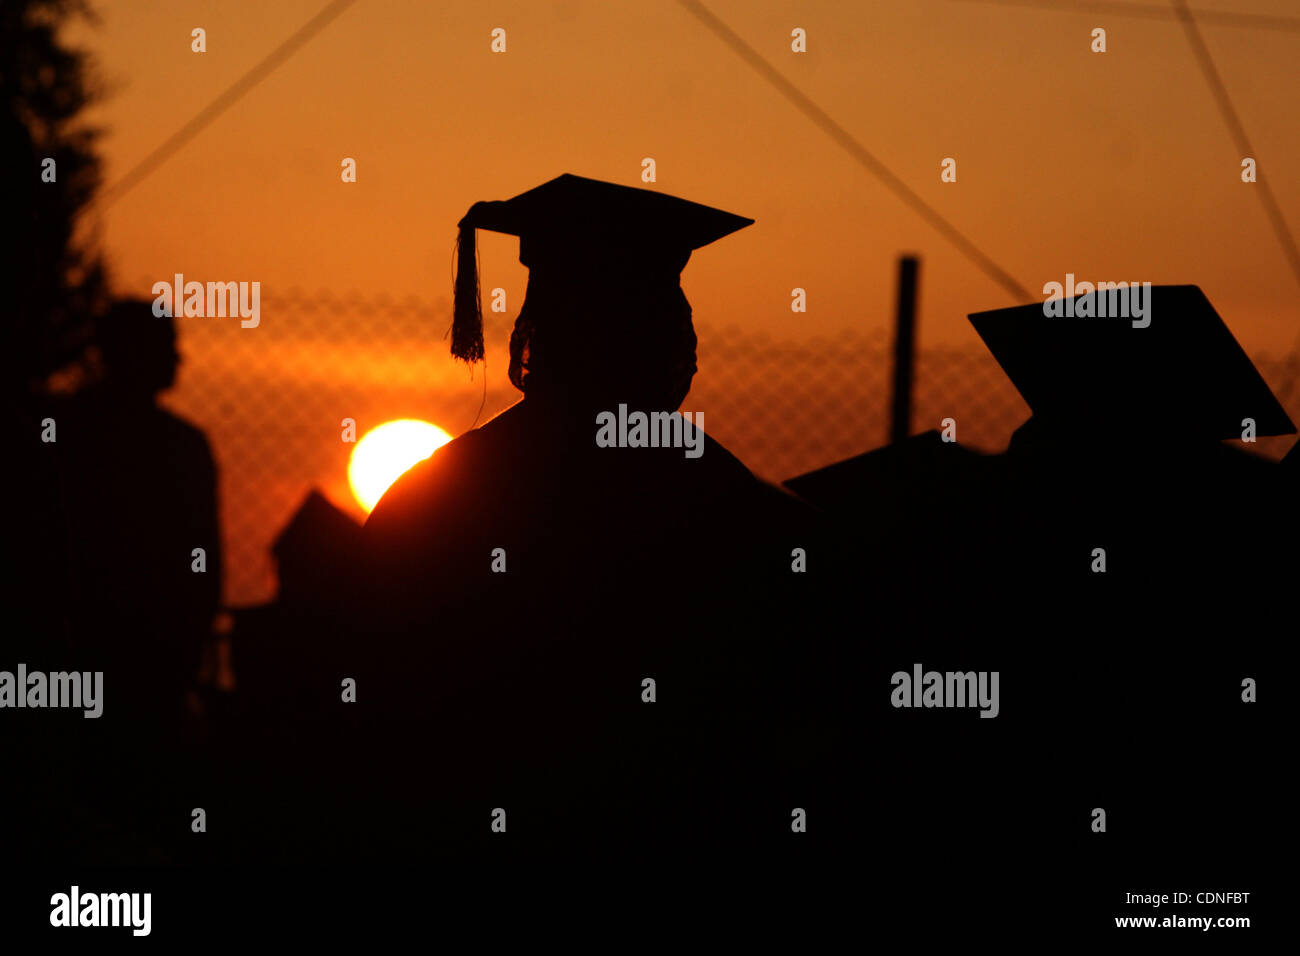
(223, 102)
(1239, 138)
(1238, 132)
(856, 150)
(1259, 21)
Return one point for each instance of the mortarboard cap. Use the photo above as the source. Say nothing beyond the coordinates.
(1184, 370)
(918, 464)
(314, 552)
(572, 220)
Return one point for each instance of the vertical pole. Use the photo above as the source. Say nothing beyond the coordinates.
(904, 349)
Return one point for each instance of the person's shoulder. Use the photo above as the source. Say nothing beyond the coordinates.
(425, 484)
(722, 459)
(183, 430)
(727, 470)
(732, 477)
(176, 438)
(453, 482)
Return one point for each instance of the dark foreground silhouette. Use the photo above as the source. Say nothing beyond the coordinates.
(1123, 569)
(606, 639)
(132, 488)
(649, 652)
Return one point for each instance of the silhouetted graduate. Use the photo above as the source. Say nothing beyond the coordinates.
(313, 554)
(141, 487)
(906, 499)
(285, 653)
(1128, 428)
(1126, 450)
(535, 579)
(1131, 560)
(289, 728)
(911, 466)
(138, 487)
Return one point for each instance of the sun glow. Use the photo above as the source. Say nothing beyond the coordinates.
(386, 452)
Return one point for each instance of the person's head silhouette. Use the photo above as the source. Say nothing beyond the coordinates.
(604, 319)
(137, 348)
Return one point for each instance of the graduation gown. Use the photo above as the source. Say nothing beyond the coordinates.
(526, 585)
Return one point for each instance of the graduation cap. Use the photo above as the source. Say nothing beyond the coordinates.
(916, 464)
(1183, 372)
(584, 226)
(315, 552)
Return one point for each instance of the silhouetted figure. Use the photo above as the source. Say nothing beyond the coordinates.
(1119, 567)
(142, 500)
(1132, 560)
(50, 280)
(897, 511)
(286, 664)
(532, 579)
(289, 729)
(1126, 440)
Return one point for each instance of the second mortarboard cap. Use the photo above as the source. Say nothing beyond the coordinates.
(587, 226)
(1184, 372)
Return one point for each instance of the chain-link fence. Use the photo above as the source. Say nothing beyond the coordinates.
(272, 400)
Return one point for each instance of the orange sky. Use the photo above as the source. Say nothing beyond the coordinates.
(1112, 166)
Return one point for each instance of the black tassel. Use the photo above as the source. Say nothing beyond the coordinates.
(467, 315)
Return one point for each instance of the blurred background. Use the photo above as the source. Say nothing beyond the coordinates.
(225, 166)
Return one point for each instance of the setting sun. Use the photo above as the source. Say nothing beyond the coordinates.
(386, 452)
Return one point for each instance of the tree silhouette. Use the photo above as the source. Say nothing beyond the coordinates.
(53, 279)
